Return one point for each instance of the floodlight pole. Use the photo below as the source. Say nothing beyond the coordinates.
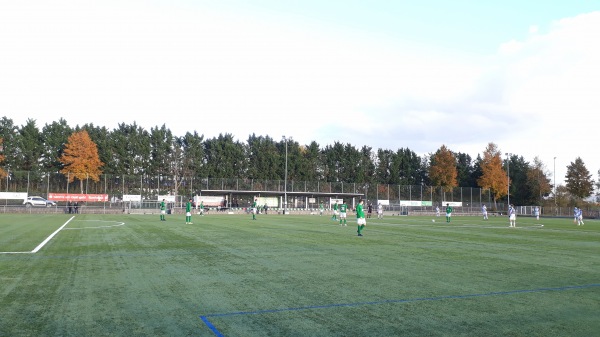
(555, 202)
(285, 181)
(508, 178)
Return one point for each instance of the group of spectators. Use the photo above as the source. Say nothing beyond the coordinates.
(72, 207)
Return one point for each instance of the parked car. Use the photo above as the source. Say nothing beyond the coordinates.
(38, 201)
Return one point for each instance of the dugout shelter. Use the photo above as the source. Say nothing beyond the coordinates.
(275, 200)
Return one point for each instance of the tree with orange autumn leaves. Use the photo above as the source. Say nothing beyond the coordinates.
(3, 172)
(493, 175)
(442, 171)
(80, 159)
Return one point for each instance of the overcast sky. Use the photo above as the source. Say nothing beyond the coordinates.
(387, 74)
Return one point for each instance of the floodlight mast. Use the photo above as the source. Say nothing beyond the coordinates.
(508, 178)
(285, 139)
(555, 202)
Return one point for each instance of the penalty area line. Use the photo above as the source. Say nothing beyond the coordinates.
(36, 249)
(211, 326)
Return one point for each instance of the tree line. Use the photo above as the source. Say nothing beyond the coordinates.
(132, 150)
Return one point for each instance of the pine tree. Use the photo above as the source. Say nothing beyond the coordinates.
(55, 137)
(578, 179)
(30, 148)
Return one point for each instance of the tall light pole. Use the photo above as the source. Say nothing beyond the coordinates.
(285, 180)
(508, 177)
(555, 203)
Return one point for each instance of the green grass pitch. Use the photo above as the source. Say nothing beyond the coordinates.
(227, 275)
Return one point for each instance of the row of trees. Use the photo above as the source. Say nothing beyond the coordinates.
(132, 150)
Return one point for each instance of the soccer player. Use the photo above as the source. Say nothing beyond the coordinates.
(343, 209)
(254, 209)
(448, 212)
(188, 212)
(369, 210)
(580, 217)
(484, 211)
(163, 210)
(575, 214)
(202, 208)
(321, 209)
(536, 212)
(437, 211)
(360, 217)
(335, 212)
(512, 216)
(380, 211)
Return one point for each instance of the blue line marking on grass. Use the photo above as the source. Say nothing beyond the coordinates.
(410, 300)
(211, 326)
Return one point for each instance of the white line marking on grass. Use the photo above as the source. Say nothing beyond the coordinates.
(118, 224)
(429, 225)
(51, 236)
(36, 249)
(62, 227)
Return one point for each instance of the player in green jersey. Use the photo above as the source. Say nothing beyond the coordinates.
(163, 210)
(343, 209)
(448, 212)
(335, 212)
(188, 212)
(254, 209)
(202, 208)
(360, 217)
(321, 209)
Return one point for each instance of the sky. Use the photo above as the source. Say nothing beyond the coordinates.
(524, 75)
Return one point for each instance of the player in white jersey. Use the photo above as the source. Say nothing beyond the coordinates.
(484, 211)
(580, 217)
(380, 211)
(512, 216)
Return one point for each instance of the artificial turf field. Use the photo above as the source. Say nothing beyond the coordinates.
(227, 275)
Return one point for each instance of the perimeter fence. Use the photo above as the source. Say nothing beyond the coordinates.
(301, 195)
